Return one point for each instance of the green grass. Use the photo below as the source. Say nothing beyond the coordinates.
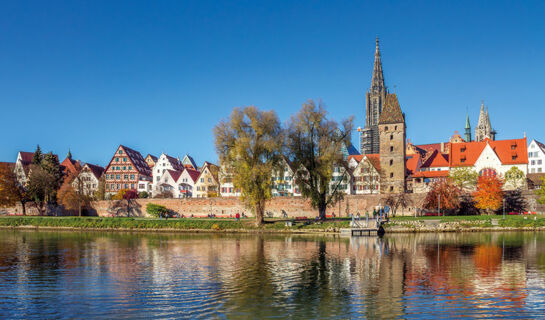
(521, 221)
(153, 223)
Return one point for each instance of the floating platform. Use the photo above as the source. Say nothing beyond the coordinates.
(358, 232)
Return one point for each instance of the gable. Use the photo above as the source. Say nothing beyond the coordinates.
(488, 159)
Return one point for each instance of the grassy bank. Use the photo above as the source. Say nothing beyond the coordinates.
(184, 224)
(455, 223)
(398, 224)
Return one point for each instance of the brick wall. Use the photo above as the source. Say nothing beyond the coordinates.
(293, 206)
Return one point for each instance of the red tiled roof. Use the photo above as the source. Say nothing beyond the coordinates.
(26, 157)
(137, 160)
(96, 170)
(466, 154)
(175, 163)
(436, 159)
(194, 174)
(431, 174)
(411, 163)
(175, 174)
(375, 160)
(9, 165)
(356, 157)
(70, 166)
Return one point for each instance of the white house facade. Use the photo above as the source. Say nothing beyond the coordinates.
(536, 157)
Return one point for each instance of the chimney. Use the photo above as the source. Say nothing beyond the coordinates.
(442, 147)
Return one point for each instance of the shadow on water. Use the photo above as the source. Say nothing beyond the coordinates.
(69, 274)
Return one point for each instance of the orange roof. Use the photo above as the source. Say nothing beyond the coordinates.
(436, 159)
(356, 157)
(431, 174)
(411, 163)
(512, 151)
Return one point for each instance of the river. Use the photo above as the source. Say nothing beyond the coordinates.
(71, 275)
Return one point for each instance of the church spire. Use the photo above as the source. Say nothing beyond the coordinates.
(377, 82)
(468, 130)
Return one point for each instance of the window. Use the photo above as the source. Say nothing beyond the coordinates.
(533, 170)
(538, 169)
(391, 137)
(132, 176)
(120, 151)
(386, 128)
(533, 162)
(126, 186)
(391, 148)
(395, 127)
(391, 188)
(391, 162)
(202, 179)
(462, 160)
(158, 178)
(487, 172)
(116, 159)
(125, 176)
(141, 186)
(391, 174)
(130, 167)
(124, 168)
(514, 157)
(124, 159)
(132, 185)
(538, 161)
(118, 177)
(209, 179)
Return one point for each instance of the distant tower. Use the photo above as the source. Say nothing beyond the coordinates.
(374, 101)
(69, 155)
(468, 130)
(484, 128)
(392, 132)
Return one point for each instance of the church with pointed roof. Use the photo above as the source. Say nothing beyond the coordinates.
(484, 128)
(375, 100)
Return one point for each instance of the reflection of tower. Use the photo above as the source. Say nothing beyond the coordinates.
(374, 101)
(484, 128)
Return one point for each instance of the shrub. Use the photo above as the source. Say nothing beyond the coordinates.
(216, 226)
(143, 195)
(156, 210)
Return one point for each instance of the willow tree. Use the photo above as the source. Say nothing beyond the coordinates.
(313, 145)
(249, 144)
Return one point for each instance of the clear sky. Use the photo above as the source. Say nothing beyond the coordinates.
(158, 75)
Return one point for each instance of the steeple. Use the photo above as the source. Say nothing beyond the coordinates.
(69, 155)
(468, 130)
(377, 81)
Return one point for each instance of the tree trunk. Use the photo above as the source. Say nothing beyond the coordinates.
(259, 213)
(79, 208)
(322, 212)
(24, 208)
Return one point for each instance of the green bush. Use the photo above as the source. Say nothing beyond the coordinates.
(143, 195)
(156, 210)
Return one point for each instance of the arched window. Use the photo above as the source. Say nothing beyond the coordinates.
(391, 137)
(487, 172)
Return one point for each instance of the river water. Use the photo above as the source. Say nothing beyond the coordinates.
(71, 275)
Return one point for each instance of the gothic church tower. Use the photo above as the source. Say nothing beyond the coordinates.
(484, 128)
(375, 99)
(392, 133)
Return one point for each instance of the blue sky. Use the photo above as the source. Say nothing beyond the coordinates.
(157, 76)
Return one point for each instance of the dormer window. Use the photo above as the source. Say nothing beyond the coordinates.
(463, 149)
(514, 157)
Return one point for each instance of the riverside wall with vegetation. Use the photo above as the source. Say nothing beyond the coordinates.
(395, 225)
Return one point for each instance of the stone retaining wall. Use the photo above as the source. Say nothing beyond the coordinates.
(225, 207)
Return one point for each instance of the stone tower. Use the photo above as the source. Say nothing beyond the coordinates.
(392, 136)
(468, 130)
(374, 102)
(484, 128)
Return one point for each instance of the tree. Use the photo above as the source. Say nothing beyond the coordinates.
(250, 143)
(40, 186)
(156, 210)
(37, 158)
(540, 193)
(515, 178)
(445, 193)
(100, 194)
(72, 194)
(314, 147)
(396, 201)
(11, 192)
(489, 194)
(126, 194)
(464, 177)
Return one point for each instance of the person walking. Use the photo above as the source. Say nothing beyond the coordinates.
(237, 216)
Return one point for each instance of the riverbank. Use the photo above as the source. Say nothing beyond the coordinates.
(395, 225)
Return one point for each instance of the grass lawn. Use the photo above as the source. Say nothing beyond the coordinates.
(172, 223)
(509, 221)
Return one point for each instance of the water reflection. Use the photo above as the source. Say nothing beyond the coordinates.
(103, 275)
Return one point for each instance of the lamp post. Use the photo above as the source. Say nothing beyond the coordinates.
(503, 208)
(439, 205)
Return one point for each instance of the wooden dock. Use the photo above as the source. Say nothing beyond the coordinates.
(359, 228)
(358, 232)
